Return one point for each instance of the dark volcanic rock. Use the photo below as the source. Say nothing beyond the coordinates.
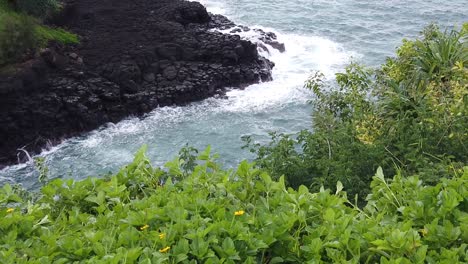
(270, 38)
(133, 56)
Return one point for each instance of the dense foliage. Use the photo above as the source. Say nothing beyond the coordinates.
(407, 118)
(21, 31)
(410, 115)
(204, 214)
(16, 36)
(37, 8)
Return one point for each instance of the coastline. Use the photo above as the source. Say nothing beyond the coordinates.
(166, 53)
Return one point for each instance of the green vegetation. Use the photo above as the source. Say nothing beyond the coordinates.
(410, 115)
(209, 215)
(408, 118)
(46, 34)
(16, 36)
(37, 8)
(21, 31)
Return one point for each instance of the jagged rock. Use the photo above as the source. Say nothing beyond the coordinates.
(270, 38)
(133, 56)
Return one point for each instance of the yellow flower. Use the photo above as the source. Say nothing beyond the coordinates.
(423, 232)
(162, 236)
(144, 227)
(164, 250)
(239, 213)
(10, 210)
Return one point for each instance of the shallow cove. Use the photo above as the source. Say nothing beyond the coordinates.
(319, 35)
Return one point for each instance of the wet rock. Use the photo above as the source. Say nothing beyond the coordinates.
(192, 13)
(271, 39)
(170, 73)
(53, 58)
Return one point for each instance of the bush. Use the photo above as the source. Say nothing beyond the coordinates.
(149, 215)
(21, 35)
(17, 36)
(409, 115)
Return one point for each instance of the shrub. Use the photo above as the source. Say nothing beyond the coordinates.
(149, 215)
(17, 36)
(21, 35)
(408, 115)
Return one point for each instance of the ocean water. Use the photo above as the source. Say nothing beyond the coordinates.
(318, 34)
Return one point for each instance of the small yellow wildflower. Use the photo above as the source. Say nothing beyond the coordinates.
(144, 227)
(164, 250)
(239, 213)
(162, 236)
(423, 232)
(10, 210)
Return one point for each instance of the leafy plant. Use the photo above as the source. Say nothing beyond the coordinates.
(234, 216)
(409, 115)
(41, 167)
(188, 157)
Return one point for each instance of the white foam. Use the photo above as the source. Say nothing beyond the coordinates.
(214, 7)
(292, 68)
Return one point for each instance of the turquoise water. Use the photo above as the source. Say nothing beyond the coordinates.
(319, 35)
(370, 28)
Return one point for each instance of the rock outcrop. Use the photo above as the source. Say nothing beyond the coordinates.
(133, 56)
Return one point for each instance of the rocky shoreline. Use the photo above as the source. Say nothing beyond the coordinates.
(132, 58)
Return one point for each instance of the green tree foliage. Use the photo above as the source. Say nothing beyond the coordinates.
(150, 215)
(409, 115)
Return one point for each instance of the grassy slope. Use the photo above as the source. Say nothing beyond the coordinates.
(21, 34)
